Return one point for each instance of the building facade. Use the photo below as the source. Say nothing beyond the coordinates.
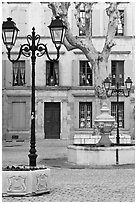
(65, 97)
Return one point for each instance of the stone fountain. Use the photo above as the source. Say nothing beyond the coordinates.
(99, 149)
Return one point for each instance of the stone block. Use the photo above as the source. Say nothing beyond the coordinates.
(89, 141)
(77, 141)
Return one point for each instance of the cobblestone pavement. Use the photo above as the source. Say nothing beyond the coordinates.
(72, 183)
(83, 185)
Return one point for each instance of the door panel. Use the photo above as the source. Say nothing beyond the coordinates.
(52, 120)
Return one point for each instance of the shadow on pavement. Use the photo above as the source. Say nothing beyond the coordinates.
(63, 163)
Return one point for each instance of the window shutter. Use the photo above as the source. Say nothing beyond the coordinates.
(20, 18)
(129, 69)
(133, 20)
(75, 73)
(75, 29)
(27, 73)
(105, 22)
(46, 22)
(47, 72)
(3, 73)
(9, 73)
(128, 21)
(56, 70)
(96, 22)
(18, 116)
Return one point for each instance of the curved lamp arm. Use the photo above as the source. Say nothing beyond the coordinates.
(124, 92)
(42, 49)
(110, 92)
(26, 49)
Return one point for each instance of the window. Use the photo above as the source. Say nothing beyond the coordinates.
(18, 115)
(120, 27)
(117, 70)
(19, 73)
(52, 73)
(85, 115)
(82, 18)
(121, 112)
(85, 74)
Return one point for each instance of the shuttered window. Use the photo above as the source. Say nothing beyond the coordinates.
(18, 115)
(121, 112)
(85, 115)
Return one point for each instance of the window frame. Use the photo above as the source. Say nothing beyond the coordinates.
(116, 71)
(121, 112)
(86, 116)
(82, 17)
(84, 76)
(52, 73)
(120, 23)
(19, 72)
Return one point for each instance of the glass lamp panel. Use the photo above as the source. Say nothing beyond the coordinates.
(7, 36)
(14, 36)
(128, 83)
(107, 85)
(57, 34)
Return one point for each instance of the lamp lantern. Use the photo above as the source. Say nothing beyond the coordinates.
(9, 33)
(128, 83)
(107, 84)
(57, 31)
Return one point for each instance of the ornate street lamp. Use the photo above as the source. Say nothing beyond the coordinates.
(57, 31)
(32, 49)
(117, 90)
(9, 33)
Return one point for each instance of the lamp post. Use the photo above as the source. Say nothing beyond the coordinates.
(33, 48)
(117, 90)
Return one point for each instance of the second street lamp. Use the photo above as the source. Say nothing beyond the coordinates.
(117, 90)
(33, 48)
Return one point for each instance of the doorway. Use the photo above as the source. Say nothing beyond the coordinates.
(52, 120)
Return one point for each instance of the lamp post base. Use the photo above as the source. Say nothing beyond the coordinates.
(32, 159)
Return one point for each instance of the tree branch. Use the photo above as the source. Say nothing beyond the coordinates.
(113, 14)
(72, 42)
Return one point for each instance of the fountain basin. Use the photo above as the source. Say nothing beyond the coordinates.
(25, 183)
(93, 155)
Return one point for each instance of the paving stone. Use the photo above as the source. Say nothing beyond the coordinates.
(87, 185)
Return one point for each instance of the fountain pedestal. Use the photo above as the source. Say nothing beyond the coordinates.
(104, 123)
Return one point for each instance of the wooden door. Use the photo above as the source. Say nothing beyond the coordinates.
(52, 120)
